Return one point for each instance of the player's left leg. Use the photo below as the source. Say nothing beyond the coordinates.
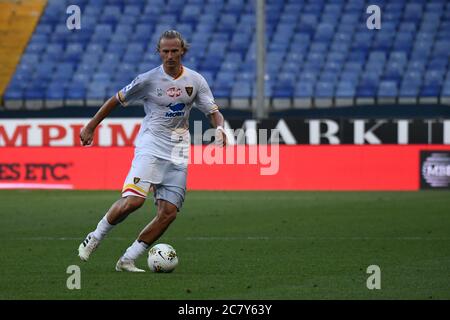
(166, 214)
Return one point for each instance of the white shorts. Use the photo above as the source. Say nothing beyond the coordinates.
(168, 179)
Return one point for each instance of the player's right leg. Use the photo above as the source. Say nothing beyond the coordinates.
(116, 214)
(134, 193)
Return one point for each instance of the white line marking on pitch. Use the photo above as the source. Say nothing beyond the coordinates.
(238, 238)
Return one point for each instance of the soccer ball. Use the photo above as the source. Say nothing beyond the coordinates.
(162, 258)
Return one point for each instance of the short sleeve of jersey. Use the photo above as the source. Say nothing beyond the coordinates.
(133, 93)
(205, 100)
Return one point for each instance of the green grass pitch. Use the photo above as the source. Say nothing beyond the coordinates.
(234, 245)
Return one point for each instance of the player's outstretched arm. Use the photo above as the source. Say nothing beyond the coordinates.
(217, 121)
(87, 133)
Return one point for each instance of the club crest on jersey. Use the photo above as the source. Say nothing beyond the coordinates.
(189, 90)
(173, 92)
(176, 110)
(159, 92)
(136, 180)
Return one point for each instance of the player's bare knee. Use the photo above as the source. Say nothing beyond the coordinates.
(132, 203)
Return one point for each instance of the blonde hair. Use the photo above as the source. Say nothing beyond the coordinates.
(173, 34)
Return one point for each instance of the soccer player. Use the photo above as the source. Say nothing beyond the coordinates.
(161, 147)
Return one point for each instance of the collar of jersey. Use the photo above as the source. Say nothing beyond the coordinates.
(169, 76)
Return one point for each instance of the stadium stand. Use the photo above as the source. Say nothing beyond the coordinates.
(17, 23)
(320, 53)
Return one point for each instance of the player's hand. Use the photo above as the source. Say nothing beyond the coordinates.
(221, 137)
(86, 136)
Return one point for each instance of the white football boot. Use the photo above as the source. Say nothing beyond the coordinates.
(87, 247)
(127, 265)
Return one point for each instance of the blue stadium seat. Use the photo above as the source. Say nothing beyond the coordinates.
(409, 90)
(312, 67)
(366, 90)
(225, 78)
(291, 67)
(13, 93)
(73, 52)
(349, 76)
(416, 64)
(245, 76)
(393, 71)
(241, 89)
(35, 93)
(430, 90)
(96, 91)
(132, 57)
(268, 89)
(304, 89)
(111, 14)
(413, 78)
(221, 92)
(132, 10)
(345, 89)
(324, 89)
(328, 76)
(42, 73)
(387, 89)
(81, 78)
(43, 29)
(369, 76)
(287, 78)
(434, 77)
(282, 91)
(77, 92)
(324, 31)
(446, 91)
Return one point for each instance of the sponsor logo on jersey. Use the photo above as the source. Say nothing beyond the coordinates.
(173, 92)
(189, 90)
(131, 85)
(175, 110)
